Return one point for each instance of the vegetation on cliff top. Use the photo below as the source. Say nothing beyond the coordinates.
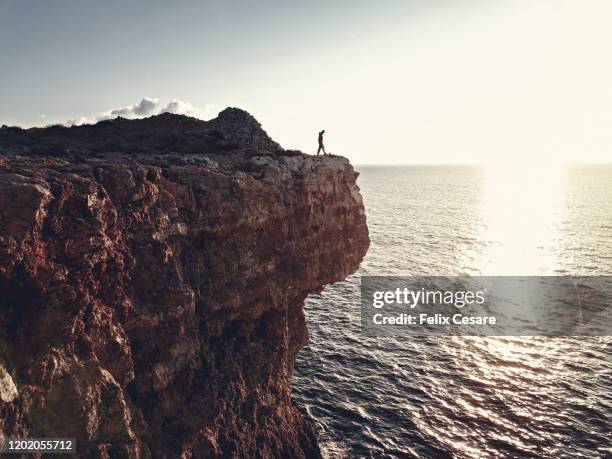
(233, 129)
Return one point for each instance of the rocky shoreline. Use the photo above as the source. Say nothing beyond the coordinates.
(152, 278)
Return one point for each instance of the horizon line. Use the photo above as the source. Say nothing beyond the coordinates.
(476, 164)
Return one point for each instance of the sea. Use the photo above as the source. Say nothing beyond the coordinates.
(465, 396)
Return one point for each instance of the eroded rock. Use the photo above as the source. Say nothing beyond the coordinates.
(8, 390)
(153, 308)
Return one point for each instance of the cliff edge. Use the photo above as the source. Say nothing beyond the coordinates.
(152, 278)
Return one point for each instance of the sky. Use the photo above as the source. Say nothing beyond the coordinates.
(391, 82)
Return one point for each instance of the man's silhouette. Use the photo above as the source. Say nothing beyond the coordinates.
(321, 147)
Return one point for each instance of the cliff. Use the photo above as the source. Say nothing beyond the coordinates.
(151, 295)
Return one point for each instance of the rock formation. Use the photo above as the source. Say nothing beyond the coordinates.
(152, 278)
(232, 129)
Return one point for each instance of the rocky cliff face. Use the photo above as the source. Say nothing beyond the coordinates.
(151, 303)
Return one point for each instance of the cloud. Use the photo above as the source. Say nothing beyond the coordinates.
(185, 108)
(79, 121)
(146, 107)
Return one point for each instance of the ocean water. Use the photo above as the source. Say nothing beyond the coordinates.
(469, 397)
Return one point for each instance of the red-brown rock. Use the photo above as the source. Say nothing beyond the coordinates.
(151, 305)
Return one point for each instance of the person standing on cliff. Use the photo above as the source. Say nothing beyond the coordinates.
(321, 147)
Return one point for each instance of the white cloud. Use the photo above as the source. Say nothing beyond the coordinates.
(185, 108)
(146, 107)
(79, 121)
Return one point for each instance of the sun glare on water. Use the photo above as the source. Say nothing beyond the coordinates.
(521, 208)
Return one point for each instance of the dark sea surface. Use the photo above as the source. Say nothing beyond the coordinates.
(467, 397)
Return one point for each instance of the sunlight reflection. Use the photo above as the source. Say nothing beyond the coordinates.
(520, 213)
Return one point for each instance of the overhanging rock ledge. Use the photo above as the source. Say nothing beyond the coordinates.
(152, 278)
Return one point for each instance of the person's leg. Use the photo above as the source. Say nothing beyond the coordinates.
(319, 150)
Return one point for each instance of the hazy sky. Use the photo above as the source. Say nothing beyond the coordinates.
(390, 81)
